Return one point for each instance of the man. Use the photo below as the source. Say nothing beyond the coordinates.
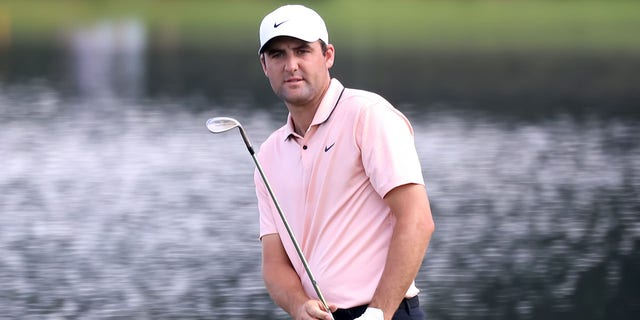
(348, 178)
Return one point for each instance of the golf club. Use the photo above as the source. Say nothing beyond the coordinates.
(222, 124)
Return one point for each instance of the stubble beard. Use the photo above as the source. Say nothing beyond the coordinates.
(297, 97)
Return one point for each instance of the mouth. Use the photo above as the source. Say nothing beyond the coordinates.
(293, 80)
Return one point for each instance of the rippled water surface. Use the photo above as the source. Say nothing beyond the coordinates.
(117, 203)
(113, 209)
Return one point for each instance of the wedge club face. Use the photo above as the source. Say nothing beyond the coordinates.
(222, 124)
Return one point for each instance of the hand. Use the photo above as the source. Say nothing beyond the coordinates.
(372, 314)
(314, 309)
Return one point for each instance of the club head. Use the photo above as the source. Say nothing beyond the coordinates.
(222, 124)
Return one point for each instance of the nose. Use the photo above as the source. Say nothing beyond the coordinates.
(291, 64)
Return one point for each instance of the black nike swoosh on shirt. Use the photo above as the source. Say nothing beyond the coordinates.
(329, 147)
(275, 25)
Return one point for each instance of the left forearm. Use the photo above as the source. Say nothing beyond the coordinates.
(404, 259)
(410, 240)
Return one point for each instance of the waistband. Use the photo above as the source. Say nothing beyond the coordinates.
(406, 303)
(410, 302)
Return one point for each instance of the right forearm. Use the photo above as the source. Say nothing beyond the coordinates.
(284, 287)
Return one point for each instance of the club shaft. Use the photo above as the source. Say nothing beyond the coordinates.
(286, 225)
(245, 138)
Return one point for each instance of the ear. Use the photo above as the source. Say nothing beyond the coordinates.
(329, 56)
(263, 63)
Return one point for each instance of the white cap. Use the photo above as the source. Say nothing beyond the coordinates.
(294, 21)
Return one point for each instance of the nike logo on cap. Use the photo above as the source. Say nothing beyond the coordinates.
(275, 24)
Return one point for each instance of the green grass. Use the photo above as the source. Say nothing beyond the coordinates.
(533, 24)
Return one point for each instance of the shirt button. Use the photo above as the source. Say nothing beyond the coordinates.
(304, 147)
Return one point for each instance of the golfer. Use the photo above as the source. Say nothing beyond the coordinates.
(345, 170)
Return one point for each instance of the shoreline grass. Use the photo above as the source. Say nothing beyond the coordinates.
(541, 24)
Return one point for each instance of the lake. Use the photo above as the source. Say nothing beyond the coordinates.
(117, 203)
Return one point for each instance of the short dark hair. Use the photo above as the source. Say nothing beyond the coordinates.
(323, 45)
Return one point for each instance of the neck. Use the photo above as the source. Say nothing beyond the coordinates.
(302, 120)
(302, 115)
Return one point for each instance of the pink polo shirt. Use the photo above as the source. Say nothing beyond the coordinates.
(330, 185)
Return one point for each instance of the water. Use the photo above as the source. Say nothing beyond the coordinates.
(116, 202)
(132, 213)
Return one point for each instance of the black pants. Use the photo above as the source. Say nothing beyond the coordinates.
(409, 309)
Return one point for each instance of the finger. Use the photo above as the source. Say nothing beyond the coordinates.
(315, 310)
(332, 309)
(321, 312)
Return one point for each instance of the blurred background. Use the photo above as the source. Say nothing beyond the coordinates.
(116, 202)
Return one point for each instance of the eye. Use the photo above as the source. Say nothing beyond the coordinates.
(303, 50)
(275, 54)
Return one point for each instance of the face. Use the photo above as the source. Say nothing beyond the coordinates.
(298, 71)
